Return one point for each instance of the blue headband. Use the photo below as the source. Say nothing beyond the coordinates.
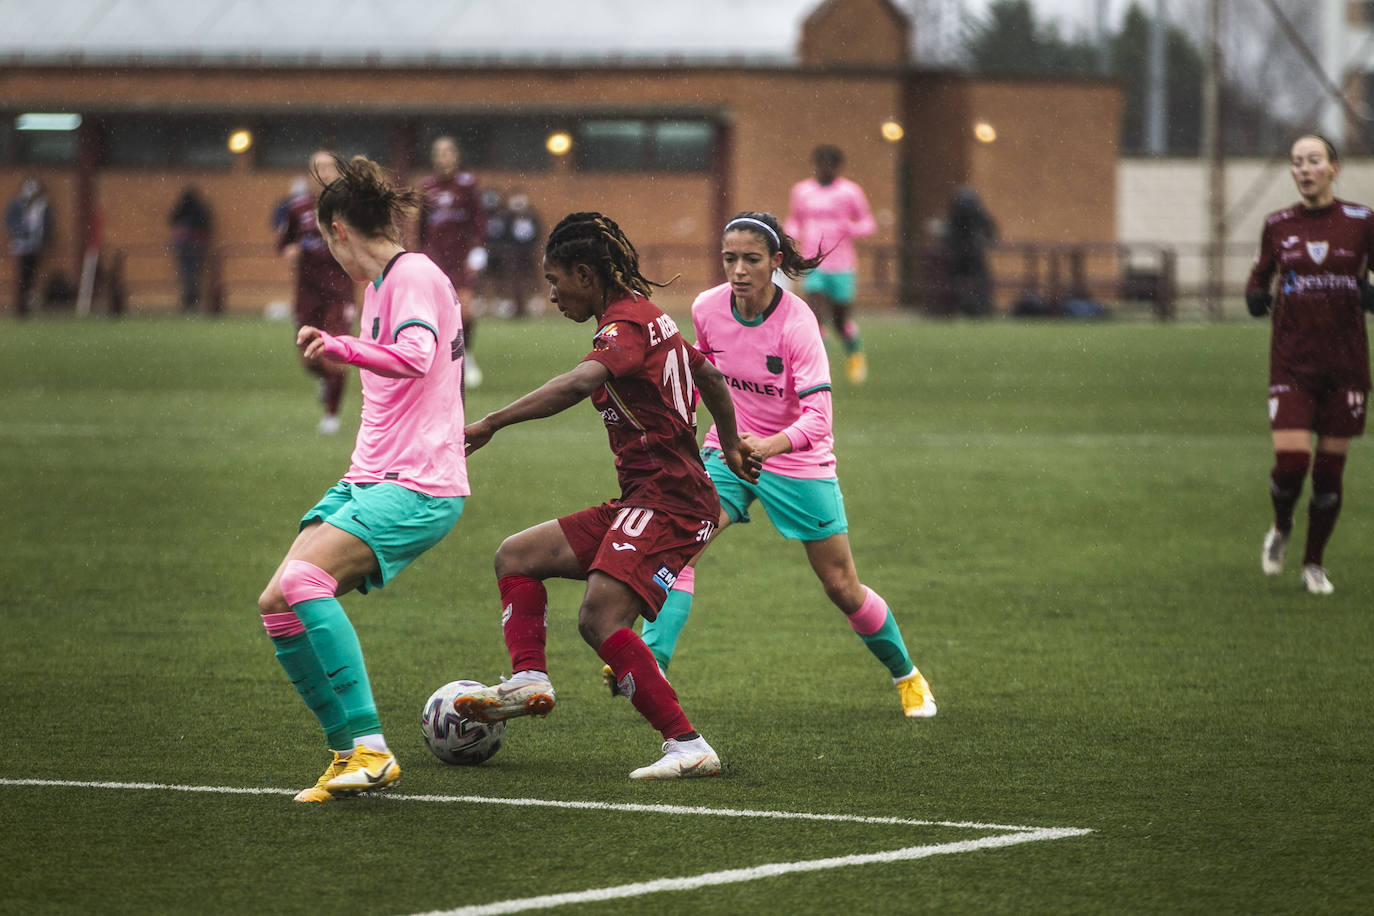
(755, 222)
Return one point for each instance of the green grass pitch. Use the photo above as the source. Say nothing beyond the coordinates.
(1065, 518)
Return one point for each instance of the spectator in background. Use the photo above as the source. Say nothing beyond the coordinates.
(513, 235)
(191, 222)
(453, 230)
(969, 230)
(826, 213)
(325, 295)
(28, 220)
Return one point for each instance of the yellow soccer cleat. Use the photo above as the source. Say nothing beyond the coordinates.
(917, 700)
(856, 369)
(318, 792)
(367, 771)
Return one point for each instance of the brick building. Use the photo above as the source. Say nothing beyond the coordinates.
(678, 116)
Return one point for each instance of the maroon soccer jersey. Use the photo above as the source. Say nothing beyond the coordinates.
(648, 407)
(453, 221)
(320, 281)
(1319, 340)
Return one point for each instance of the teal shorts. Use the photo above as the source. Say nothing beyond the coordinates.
(801, 508)
(837, 287)
(397, 523)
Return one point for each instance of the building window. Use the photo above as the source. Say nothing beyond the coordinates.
(287, 142)
(29, 140)
(612, 146)
(507, 144)
(138, 141)
(644, 145)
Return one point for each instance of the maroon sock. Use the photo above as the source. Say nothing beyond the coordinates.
(524, 621)
(639, 678)
(1325, 506)
(1285, 486)
(333, 392)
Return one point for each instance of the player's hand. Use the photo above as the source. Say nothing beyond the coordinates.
(311, 341)
(476, 435)
(1258, 302)
(743, 460)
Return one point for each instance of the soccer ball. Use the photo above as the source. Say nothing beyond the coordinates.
(454, 738)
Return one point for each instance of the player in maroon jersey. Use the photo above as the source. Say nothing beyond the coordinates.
(325, 296)
(642, 377)
(453, 231)
(1317, 252)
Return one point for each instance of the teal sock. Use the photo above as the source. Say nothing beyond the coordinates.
(341, 656)
(661, 635)
(307, 675)
(889, 647)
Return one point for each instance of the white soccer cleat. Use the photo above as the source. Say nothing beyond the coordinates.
(472, 376)
(682, 760)
(1274, 553)
(328, 426)
(527, 693)
(1314, 580)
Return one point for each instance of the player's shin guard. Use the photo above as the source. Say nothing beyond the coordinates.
(639, 679)
(310, 591)
(1285, 486)
(297, 658)
(661, 634)
(1327, 472)
(876, 626)
(524, 621)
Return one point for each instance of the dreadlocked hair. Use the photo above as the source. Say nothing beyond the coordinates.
(596, 240)
(363, 198)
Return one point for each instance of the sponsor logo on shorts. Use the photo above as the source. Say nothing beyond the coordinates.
(665, 578)
(617, 546)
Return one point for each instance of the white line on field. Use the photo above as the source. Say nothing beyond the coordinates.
(1012, 836)
(739, 875)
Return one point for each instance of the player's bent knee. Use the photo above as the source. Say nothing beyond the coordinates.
(302, 581)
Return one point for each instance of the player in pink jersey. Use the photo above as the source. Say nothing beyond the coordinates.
(826, 213)
(405, 485)
(324, 293)
(767, 344)
(1320, 249)
(453, 231)
(642, 378)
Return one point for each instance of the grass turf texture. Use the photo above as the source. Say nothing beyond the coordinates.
(1066, 519)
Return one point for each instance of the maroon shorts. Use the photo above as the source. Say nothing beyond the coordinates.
(644, 548)
(1337, 412)
(334, 317)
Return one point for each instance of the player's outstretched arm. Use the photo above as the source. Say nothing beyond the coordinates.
(554, 396)
(715, 394)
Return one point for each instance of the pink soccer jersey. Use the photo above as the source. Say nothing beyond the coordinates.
(412, 428)
(827, 218)
(778, 373)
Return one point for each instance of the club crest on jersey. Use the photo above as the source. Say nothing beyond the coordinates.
(774, 364)
(1317, 251)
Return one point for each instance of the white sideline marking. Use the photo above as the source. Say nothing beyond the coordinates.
(1012, 835)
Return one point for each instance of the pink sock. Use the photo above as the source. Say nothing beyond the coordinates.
(686, 580)
(871, 615)
(524, 621)
(280, 626)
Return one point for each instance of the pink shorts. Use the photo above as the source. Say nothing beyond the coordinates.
(1337, 412)
(644, 548)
